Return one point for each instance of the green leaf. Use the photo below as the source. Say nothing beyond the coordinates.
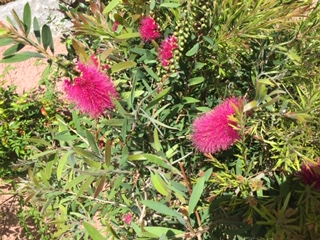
(163, 209)
(75, 120)
(75, 181)
(65, 136)
(84, 57)
(85, 186)
(196, 194)
(38, 141)
(193, 50)
(112, 231)
(36, 29)
(195, 81)
(93, 233)
(154, 159)
(188, 100)
(92, 142)
(250, 105)
(122, 65)
(112, 122)
(99, 186)
(151, 73)
(261, 92)
(107, 153)
(92, 163)
(157, 99)
(156, 142)
(170, 5)
(157, 232)
(128, 35)
(27, 18)
(159, 184)
(62, 163)
(20, 57)
(47, 40)
(13, 49)
(211, 41)
(5, 41)
(87, 154)
(111, 6)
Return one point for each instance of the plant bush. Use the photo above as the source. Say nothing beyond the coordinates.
(150, 167)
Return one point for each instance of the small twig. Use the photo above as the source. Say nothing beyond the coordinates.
(185, 178)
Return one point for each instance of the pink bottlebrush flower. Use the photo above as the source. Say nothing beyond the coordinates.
(165, 51)
(92, 91)
(310, 174)
(149, 29)
(127, 218)
(115, 26)
(212, 131)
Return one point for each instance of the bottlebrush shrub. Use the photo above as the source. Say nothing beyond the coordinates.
(134, 172)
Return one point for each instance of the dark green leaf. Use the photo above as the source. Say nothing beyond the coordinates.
(5, 41)
(20, 57)
(13, 49)
(36, 29)
(92, 142)
(193, 50)
(27, 18)
(112, 122)
(161, 95)
(47, 40)
(122, 66)
(107, 153)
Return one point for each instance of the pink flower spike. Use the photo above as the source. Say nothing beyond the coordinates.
(149, 29)
(127, 218)
(310, 174)
(92, 91)
(212, 131)
(115, 26)
(165, 51)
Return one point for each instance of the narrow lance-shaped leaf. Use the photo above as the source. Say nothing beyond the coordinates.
(107, 153)
(198, 190)
(36, 29)
(20, 57)
(27, 18)
(122, 66)
(111, 6)
(92, 142)
(93, 233)
(47, 40)
(13, 49)
(99, 186)
(159, 184)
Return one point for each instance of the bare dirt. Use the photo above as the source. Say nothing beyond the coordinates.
(10, 229)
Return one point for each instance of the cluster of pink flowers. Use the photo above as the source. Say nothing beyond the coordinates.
(149, 29)
(310, 174)
(115, 26)
(165, 51)
(212, 131)
(92, 91)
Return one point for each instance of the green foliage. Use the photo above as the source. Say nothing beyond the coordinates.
(138, 160)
